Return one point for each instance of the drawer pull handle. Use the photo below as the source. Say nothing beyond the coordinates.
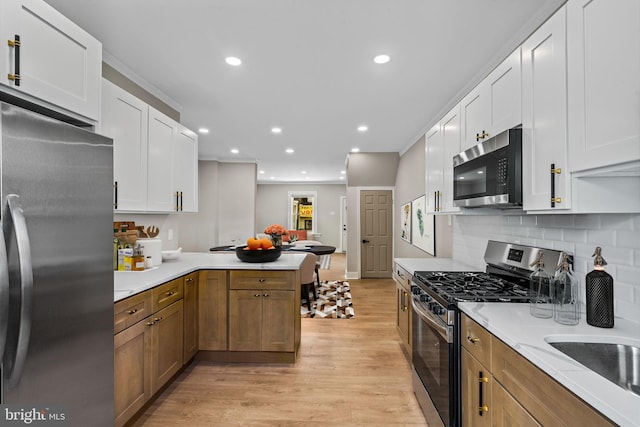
(157, 319)
(134, 311)
(473, 340)
(170, 293)
(189, 280)
(262, 280)
(265, 295)
(257, 295)
(151, 323)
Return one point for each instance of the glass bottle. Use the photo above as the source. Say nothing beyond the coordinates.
(566, 309)
(599, 291)
(540, 281)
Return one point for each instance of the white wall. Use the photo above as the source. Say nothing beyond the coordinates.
(617, 234)
(272, 208)
(236, 202)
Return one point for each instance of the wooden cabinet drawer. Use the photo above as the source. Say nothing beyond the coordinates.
(550, 403)
(402, 276)
(131, 310)
(262, 280)
(476, 340)
(166, 294)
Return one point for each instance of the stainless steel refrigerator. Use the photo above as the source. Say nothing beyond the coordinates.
(56, 270)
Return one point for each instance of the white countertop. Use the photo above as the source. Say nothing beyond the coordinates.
(514, 325)
(127, 283)
(432, 264)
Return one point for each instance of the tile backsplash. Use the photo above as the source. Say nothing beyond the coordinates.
(617, 234)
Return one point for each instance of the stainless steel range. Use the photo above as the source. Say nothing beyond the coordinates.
(436, 319)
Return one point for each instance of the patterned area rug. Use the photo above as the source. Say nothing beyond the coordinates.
(334, 301)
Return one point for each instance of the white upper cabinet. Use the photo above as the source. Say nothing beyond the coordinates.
(162, 136)
(125, 119)
(155, 158)
(546, 183)
(604, 82)
(433, 164)
(185, 175)
(55, 60)
(442, 142)
(494, 105)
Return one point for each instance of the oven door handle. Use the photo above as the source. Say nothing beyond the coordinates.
(433, 321)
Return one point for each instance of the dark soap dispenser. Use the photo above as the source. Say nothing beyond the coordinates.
(599, 290)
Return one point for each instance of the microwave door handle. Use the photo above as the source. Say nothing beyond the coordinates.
(4, 295)
(432, 322)
(13, 217)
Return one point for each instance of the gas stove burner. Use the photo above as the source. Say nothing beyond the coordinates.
(473, 286)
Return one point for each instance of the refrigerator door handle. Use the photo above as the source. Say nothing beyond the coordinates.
(4, 295)
(13, 217)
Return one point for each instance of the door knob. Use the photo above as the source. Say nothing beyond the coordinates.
(365, 241)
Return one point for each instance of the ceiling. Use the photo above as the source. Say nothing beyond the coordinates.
(307, 67)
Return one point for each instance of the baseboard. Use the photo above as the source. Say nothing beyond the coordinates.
(352, 275)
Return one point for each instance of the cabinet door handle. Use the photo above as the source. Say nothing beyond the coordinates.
(157, 319)
(473, 340)
(265, 295)
(181, 202)
(134, 311)
(482, 408)
(177, 201)
(151, 323)
(257, 295)
(189, 280)
(554, 171)
(15, 44)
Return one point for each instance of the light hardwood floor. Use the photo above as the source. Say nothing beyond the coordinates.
(350, 372)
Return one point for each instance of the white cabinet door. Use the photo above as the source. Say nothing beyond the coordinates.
(433, 163)
(474, 112)
(186, 169)
(125, 119)
(603, 39)
(494, 105)
(59, 62)
(162, 134)
(450, 129)
(544, 117)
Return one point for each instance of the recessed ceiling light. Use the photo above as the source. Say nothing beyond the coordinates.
(343, 172)
(480, 172)
(276, 130)
(462, 177)
(203, 130)
(303, 172)
(273, 177)
(232, 60)
(235, 150)
(355, 150)
(381, 59)
(262, 172)
(362, 128)
(342, 177)
(289, 150)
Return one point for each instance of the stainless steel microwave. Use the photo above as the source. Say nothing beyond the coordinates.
(490, 173)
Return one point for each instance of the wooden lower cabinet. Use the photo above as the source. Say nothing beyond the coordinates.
(190, 303)
(264, 313)
(502, 388)
(403, 306)
(212, 310)
(132, 367)
(167, 334)
(146, 356)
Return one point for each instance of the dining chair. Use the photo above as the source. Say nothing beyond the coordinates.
(308, 279)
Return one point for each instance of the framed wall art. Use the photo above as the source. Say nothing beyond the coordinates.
(422, 227)
(405, 222)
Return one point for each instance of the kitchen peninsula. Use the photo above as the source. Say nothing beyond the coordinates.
(208, 306)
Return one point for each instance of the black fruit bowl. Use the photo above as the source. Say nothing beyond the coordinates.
(259, 255)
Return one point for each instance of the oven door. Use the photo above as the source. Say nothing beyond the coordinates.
(434, 361)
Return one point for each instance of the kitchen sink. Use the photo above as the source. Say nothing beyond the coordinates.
(619, 363)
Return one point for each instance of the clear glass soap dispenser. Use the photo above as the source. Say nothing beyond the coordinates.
(566, 285)
(540, 281)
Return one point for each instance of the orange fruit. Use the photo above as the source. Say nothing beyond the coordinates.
(253, 243)
(265, 243)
